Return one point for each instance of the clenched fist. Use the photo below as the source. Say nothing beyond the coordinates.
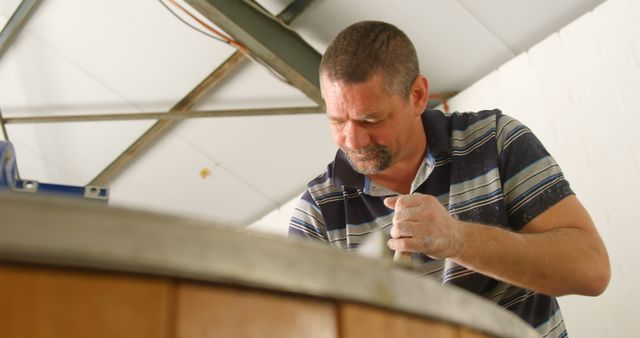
(422, 224)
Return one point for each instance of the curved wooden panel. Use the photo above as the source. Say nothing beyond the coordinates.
(37, 302)
(361, 321)
(204, 311)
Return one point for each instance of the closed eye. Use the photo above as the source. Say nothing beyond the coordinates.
(336, 122)
(370, 122)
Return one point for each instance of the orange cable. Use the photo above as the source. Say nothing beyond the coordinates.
(227, 39)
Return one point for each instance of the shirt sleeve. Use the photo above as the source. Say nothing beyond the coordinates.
(532, 181)
(307, 221)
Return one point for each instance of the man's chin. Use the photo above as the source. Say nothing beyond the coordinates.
(369, 164)
(365, 167)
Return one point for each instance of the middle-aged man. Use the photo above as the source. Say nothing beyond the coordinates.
(474, 196)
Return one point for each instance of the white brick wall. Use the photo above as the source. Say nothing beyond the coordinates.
(579, 91)
(277, 221)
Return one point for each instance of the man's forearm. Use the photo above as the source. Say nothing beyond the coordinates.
(557, 262)
(558, 252)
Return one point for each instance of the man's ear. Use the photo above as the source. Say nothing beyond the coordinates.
(420, 93)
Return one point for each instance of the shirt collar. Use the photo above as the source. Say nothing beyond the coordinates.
(343, 174)
(427, 166)
(438, 129)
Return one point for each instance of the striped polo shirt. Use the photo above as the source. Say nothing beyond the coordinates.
(484, 167)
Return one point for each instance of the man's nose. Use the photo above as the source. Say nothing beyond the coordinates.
(355, 137)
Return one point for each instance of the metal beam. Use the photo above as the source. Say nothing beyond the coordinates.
(434, 100)
(163, 115)
(6, 138)
(4, 129)
(267, 39)
(161, 127)
(8, 34)
(293, 9)
(15, 23)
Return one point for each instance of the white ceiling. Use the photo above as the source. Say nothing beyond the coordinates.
(109, 56)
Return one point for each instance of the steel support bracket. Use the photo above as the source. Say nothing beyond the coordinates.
(267, 39)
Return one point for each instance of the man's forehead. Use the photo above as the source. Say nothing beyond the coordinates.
(363, 116)
(355, 112)
(332, 80)
(340, 92)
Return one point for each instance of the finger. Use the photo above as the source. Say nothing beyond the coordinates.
(417, 199)
(404, 214)
(403, 229)
(407, 201)
(390, 202)
(405, 244)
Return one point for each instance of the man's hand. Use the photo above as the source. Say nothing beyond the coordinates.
(422, 224)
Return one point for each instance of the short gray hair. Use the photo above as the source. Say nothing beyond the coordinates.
(369, 47)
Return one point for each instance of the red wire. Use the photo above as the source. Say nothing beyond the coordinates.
(227, 39)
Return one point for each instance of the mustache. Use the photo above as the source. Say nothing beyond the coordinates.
(365, 150)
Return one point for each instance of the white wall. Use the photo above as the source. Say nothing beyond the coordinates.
(277, 221)
(579, 91)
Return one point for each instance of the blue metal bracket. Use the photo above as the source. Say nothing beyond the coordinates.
(9, 181)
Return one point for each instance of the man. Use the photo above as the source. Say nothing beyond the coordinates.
(474, 196)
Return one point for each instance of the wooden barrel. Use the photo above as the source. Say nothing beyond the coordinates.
(70, 269)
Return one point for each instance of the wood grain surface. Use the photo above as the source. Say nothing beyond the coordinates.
(37, 302)
(206, 312)
(362, 321)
